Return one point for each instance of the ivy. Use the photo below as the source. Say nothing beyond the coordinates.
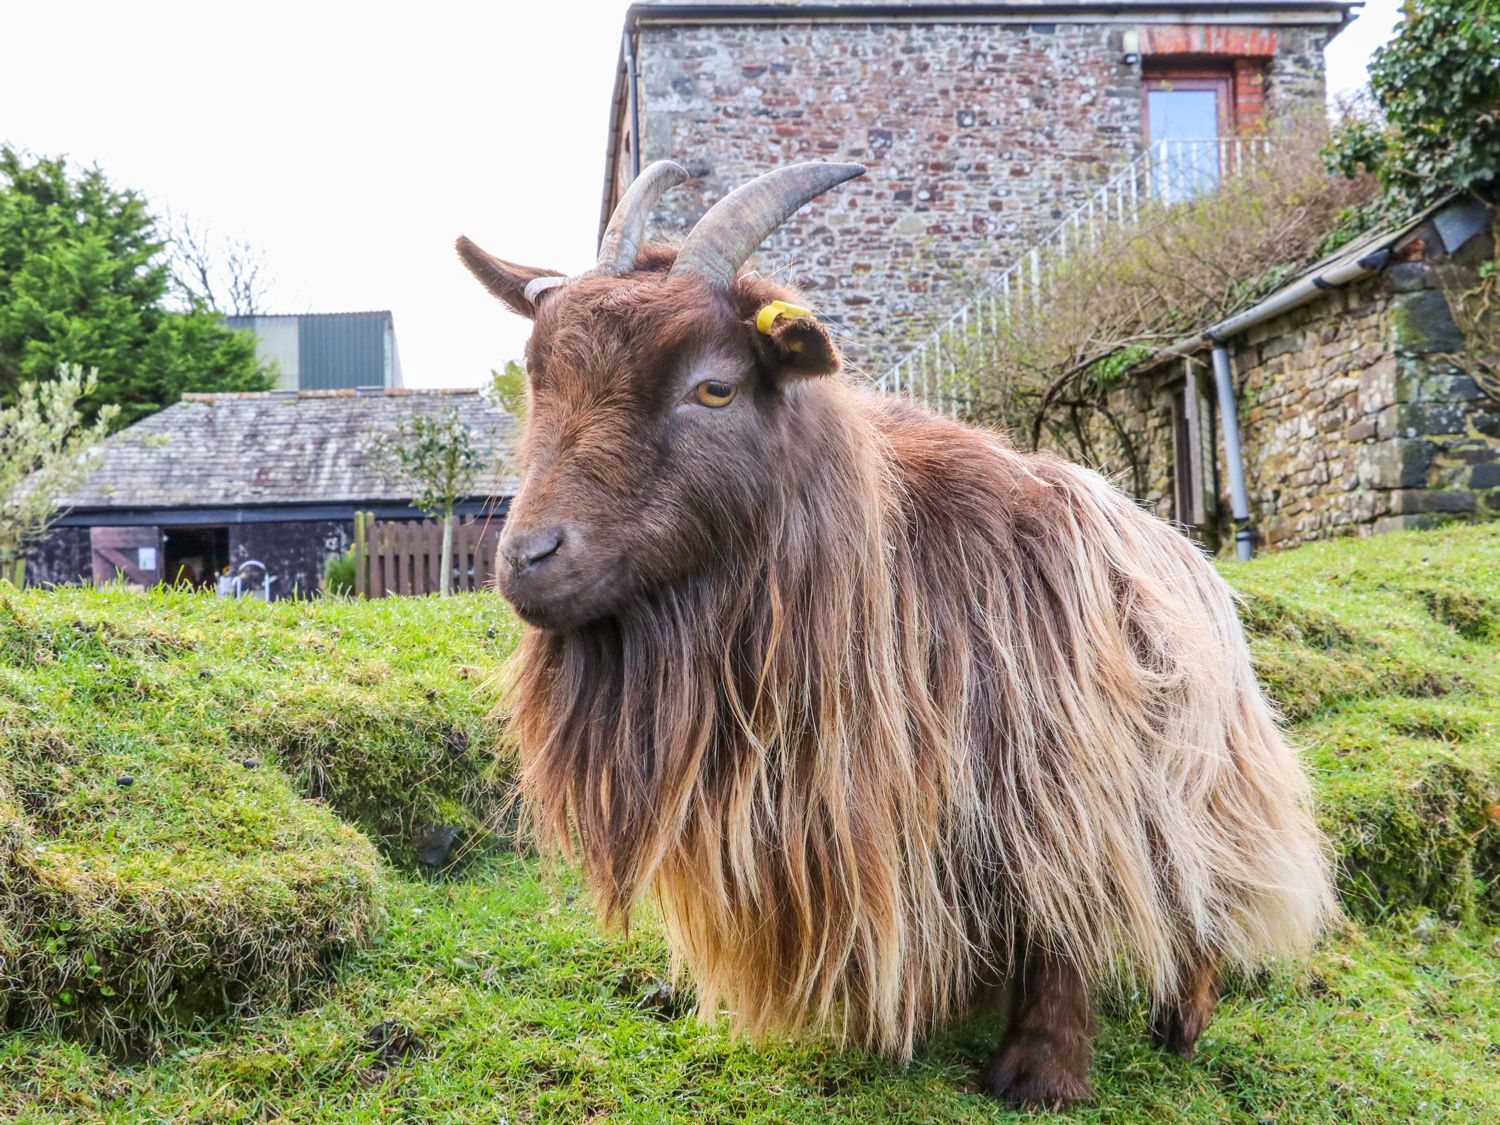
(1436, 90)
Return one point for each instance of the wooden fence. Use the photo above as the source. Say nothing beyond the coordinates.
(405, 556)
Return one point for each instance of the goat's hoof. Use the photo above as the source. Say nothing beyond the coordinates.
(1030, 1078)
(1177, 1032)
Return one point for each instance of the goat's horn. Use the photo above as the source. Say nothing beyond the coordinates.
(627, 226)
(735, 226)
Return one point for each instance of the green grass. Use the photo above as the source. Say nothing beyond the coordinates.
(160, 860)
(513, 1003)
(489, 993)
(1386, 654)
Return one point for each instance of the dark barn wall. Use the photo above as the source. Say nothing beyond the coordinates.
(61, 558)
(294, 552)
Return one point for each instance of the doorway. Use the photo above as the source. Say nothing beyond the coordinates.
(1188, 114)
(194, 556)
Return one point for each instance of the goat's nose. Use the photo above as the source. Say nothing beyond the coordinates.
(527, 548)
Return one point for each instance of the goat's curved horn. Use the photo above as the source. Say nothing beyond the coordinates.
(735, 226)
(627, 226)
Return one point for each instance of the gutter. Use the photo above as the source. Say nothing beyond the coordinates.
(621, 103)
(236, 515)
(1332, 11)
(1368, 256)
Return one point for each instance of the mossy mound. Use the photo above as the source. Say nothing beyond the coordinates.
(190, 787)
(377, 708)
(1385, 653)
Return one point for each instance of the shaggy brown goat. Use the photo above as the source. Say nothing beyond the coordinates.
(880, 710)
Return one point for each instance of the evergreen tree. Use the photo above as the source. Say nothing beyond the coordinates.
(83, 280)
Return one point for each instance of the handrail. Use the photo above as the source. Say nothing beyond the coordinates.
(1166, 171)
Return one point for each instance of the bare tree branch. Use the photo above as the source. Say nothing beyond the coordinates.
(224, 274)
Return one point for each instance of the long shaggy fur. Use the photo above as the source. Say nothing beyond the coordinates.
(942, 698)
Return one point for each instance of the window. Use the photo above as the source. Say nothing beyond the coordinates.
(1188, 113)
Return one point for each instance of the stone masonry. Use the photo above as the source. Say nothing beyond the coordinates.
(980, 136)
(1354, 416)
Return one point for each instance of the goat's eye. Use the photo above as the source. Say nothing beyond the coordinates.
(711, 392)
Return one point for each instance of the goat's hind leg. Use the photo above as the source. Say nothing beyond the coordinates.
(1177, 1023)
(1043, 1059)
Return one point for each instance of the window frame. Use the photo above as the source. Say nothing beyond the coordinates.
(1218, 80)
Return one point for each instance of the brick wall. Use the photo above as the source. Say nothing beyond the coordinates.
(979, 139)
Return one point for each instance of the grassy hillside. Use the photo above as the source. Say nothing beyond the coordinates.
(160, 858)
(490, 993)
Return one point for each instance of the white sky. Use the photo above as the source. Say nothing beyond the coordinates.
(352, 143)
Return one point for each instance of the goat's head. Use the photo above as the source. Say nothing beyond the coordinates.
(662, 390)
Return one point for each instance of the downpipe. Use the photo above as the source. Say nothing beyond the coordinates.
(1239, 500)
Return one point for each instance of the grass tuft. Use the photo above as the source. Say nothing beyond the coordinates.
(190, 789)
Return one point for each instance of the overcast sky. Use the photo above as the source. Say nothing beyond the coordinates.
(351, 143)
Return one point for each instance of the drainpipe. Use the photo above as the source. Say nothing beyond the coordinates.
(1357, 264)
(1239, 501)
(628, 47)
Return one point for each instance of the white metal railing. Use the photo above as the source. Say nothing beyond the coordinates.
(937, 371)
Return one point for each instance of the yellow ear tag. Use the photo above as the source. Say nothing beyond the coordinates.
(770, 314)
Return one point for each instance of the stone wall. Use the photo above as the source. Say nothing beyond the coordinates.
(294, 552)
(61, 558)
(1354, 416)
(979, 139)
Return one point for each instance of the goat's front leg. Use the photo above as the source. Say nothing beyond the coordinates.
(1043, 1059)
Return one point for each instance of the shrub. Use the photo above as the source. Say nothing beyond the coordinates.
(1139, 285)
(338, 575)
(1436, 126)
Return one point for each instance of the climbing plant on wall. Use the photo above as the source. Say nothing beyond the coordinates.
(1436, 93)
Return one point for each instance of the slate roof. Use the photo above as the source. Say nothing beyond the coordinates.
(280, 447)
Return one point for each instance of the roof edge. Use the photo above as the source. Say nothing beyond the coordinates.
(335, 392)
(299, 315)
(890, 10)
(1364, 257)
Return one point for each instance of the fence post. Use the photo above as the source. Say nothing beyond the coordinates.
(361, 558)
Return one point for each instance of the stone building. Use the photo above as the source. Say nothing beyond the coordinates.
(982, 124)
(277, 476)
(1361, 402)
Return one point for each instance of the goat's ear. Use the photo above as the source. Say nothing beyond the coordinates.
(505, 280)
(800, 348)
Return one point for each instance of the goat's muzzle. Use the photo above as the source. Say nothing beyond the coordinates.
(550, 576)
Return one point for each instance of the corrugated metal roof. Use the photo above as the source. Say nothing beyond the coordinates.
(280, 447)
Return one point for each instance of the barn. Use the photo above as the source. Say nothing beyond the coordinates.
(217, 480)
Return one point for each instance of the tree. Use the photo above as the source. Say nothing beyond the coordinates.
(44, 442)
(1436, 95)
(507, 389)
(84, 280)
(436, 453)
(224, 274)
